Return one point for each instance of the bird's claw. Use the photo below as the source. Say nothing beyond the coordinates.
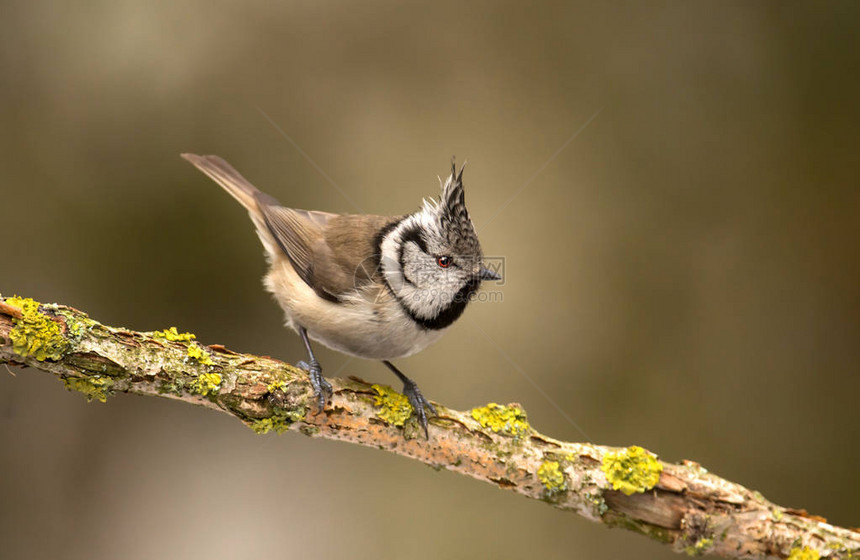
(420, 405)
(322, 388)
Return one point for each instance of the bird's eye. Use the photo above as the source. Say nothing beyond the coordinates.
(443, 262)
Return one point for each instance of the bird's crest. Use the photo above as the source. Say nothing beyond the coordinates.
(453, 217)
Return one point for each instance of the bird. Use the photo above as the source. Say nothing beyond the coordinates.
(371, 286)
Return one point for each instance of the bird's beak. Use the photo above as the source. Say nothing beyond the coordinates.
(487, 274)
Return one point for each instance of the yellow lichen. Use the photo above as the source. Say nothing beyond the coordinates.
(394, 408)
(35, 334)
(277, 385)
(509, 420)
(206, 383)
(174, 335)
(195, 352)
(805, 553)
(700, 547)
(552, 477)
(632, 470)
(95, 387)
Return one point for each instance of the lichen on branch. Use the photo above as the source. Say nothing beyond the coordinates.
(35, 333)
(683, 505)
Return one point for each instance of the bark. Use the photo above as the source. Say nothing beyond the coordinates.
(683, 505)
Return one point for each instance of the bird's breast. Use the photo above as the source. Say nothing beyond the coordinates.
(368, 323)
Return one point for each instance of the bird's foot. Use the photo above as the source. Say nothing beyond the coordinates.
(420, 405)
(322, 388)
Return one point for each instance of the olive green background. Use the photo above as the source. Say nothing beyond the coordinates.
(684, 274)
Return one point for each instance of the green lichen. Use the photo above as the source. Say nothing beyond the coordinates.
(175, 386)
(280, 421)
(394, 408)
(195, 352)
(174, 335)
(77, 323)
(94, 387)
(632, 470)
(309, 430)
(35, 334)
(552, 477)
(206, 383)
(841, 551)
(804, 553)
(508, 420)
(599, 504)
(265, 425)
(700, 547)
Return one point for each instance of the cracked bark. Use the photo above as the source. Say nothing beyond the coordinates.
(689, 508)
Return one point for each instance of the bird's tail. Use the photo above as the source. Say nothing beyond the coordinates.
(223, 173)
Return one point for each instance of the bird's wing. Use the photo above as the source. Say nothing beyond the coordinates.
(299, 233)
(334, 254)
(352, 250)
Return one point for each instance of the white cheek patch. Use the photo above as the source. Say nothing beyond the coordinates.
(389, 261)
(391, 243)
(424, 288)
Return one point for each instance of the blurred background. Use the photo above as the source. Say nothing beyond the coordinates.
(682, 273)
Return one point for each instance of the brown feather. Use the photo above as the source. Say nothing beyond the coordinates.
(351, 240)
(225, 175)
(333, 253)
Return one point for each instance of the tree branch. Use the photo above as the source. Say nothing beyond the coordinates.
(681, 504)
